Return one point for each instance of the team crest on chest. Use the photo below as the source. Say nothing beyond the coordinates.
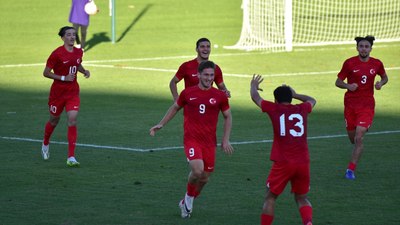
(212, 101)
(372, 71)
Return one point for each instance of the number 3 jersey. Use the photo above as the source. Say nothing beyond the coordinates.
(201, 111)
(63, 62)
(361, 73)
(290, 131)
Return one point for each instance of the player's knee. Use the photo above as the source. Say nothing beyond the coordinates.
(72, 122)
(358, 139)
(197, 173)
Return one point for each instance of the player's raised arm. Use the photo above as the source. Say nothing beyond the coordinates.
(254, 88)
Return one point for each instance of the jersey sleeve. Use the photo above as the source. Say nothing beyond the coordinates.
(181, 72)
(52, 60)
(306, 107)
(381, 69)
(344, 71)
(218, 75)
(181, 99)
(267, 106)
(224, 103)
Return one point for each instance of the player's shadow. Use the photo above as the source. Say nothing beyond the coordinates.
(96, 39)
(141, 14)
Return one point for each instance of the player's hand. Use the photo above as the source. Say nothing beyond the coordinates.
(227, 147)
(228, 93)
(86, 74)
(378, 85)
(154, 129)
(352, 87)
(70, 77)
(256, 81)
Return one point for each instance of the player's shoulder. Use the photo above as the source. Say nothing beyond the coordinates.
(58, 50)
(352, 59)
(190, 62)
(375, 60)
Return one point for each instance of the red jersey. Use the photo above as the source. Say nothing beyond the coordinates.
(363, 74)
(201, 110)
(188, 72)
(290, 131)
(63, 63)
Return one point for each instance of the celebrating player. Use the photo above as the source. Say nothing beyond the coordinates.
(202, 104)
(359, 102)
(290, 156)
(62, 66)
(188, 70)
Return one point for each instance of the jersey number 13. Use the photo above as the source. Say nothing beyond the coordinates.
(293, 132)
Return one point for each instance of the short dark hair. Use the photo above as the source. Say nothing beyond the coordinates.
(204, 65)
(283, 94)
(62, 31)
(368, 38)
(201, 40)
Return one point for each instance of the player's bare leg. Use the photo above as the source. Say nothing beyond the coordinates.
(359, 145)
(358, 136)
(305, 208)
(268, 210)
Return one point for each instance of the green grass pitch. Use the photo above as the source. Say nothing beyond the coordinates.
(128, 177)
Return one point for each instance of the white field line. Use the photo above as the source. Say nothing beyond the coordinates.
(180, 147)
(89, 64)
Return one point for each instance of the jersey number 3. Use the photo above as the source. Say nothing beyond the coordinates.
(293, 132)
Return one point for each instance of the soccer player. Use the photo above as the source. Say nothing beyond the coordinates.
(202, 104)
(359, 103)
(62, 66)
(290, 156)
(188, 70)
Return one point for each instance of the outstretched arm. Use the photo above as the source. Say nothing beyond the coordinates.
(168, 116)
(254, 87)
(225, 145)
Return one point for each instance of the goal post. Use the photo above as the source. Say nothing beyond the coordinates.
(280, 25)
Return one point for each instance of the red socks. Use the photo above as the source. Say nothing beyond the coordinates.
(266, 219)
(351, 166)
(191, 189)
(72, 136)
(306, 214)
(48, 130)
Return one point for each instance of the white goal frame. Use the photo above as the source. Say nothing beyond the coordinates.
(280, 25)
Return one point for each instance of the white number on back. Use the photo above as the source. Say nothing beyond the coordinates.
(293, 132)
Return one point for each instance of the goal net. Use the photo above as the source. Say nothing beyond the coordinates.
(278, 25)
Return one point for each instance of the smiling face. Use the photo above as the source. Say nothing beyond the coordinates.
(203, 50)
(69, 37)
(364, 49)
(206, 78)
